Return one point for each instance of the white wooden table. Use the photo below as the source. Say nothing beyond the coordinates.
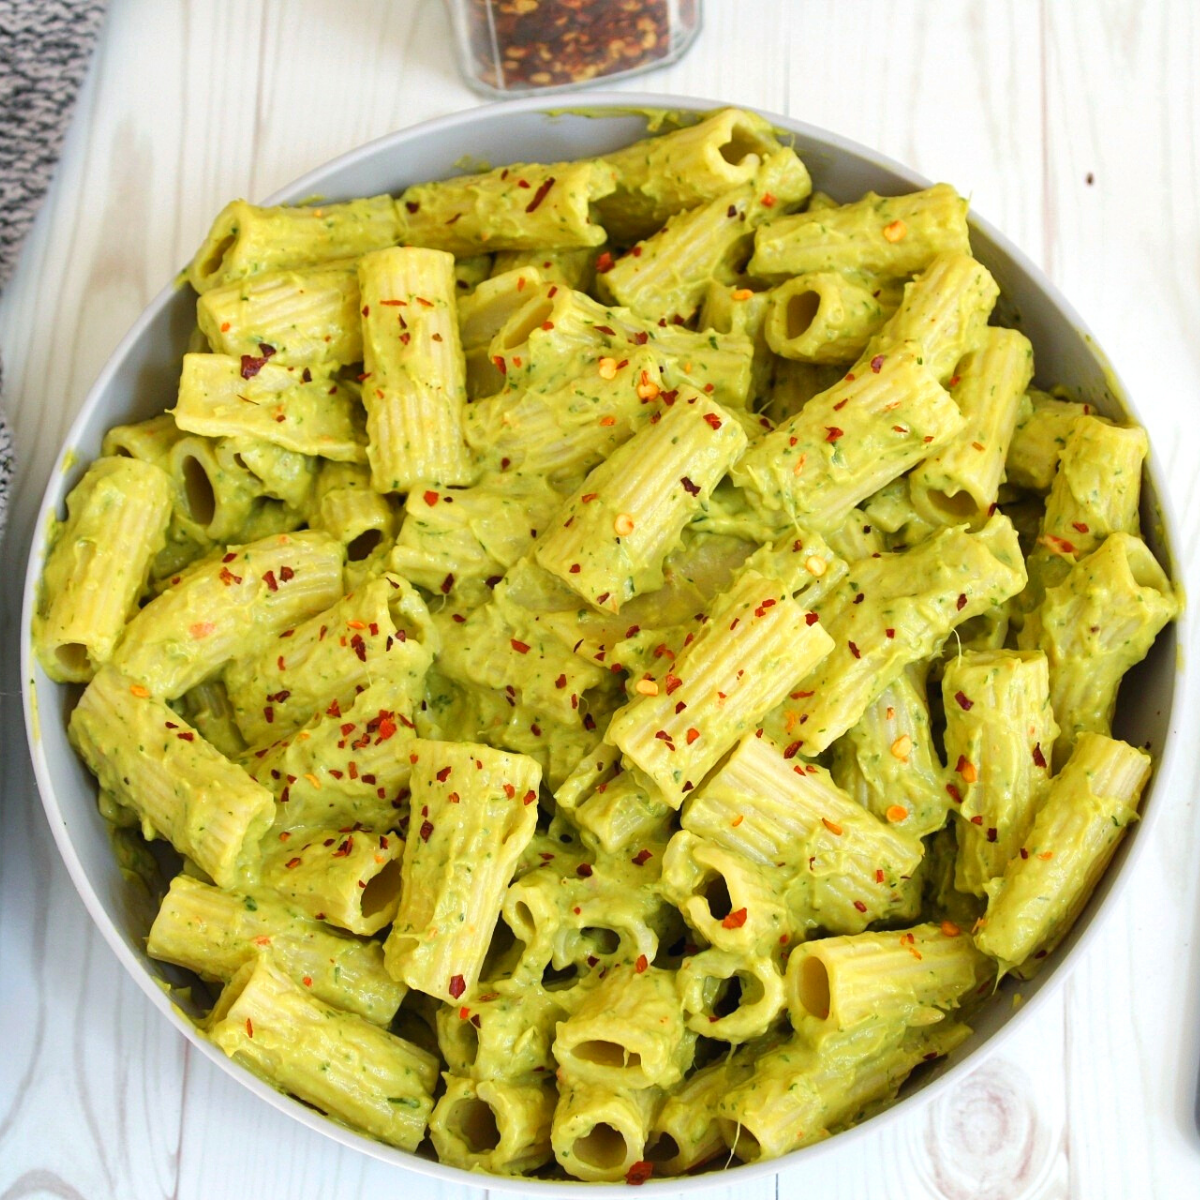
(1073, 124)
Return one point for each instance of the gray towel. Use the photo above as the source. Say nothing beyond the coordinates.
(44, 51)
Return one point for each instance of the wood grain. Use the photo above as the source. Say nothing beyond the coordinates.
(1017, 102)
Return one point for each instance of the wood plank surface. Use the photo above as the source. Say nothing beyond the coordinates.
(1073, 126)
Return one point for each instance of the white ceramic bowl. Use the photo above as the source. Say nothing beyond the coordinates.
(140, 380)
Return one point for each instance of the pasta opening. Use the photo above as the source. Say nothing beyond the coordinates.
(474, 1122)
(959, 505)
(603, 1148)
(813, 988)
(607, 1054)
(741, 143)
(358, 548)
(801, 312)
(716, 893)
(729, 997)
(212, 261)
(198, 491)
(535, 316)
(73, 656)
(470, 1043)
(553, 976)
(503, 943)
(663, 1149)
(604, 941)
(383, 891)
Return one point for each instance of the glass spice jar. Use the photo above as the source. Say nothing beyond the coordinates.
(512, 47)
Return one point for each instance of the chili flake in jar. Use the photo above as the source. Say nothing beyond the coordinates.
(509, 46)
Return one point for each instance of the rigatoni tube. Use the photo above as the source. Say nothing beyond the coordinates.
(221, 609)
(1092, 801)
(609, 540)
(98, 563)
(902, 976)
(473, 812)
(961, 481)
(246, 239)
(891, 611)
(492, 1125)
(999, 744)
(214, 932)
(890, 236)
(183, 789)
(756, 643)
(305, 318)
(847, 442)
(628, 1032)
(318, 415)
(415, 388)
(523, 206)
(350, 878)
(333, 1060)
(1094, 626)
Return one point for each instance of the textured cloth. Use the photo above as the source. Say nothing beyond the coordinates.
(44, 50)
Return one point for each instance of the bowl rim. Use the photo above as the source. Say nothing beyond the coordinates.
(600, 104)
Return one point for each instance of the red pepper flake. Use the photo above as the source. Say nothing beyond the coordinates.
(768, 200)
(878, 875)
(227, 577)
(639, 1173)
(832, 433)
(286, 574)
(854, 650)
(343, 851)
(859, 598)
(641, 857)
(387, 729)
(961, 602)
(876, 363)
(793, 749)
(604, 263)
(713, 420)
(292, 863)
(862, 908)
(811, 618)
(447, 584)
(601, 599)
(603, 329)
(584, 870)
(641, 964)
(1079, 527)
(954, 793)
(991, 835)
(963, 703)
(977, 820)
(186, 736)
(519, 646)
(1024, 852)
(426, 830)
(890, 632)
(458, 985)
(251, 365)
(444, 774)
(735, 920)
(689, 487)
(588, 497)
(692, 735)
(540, 194)
(529, 797)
